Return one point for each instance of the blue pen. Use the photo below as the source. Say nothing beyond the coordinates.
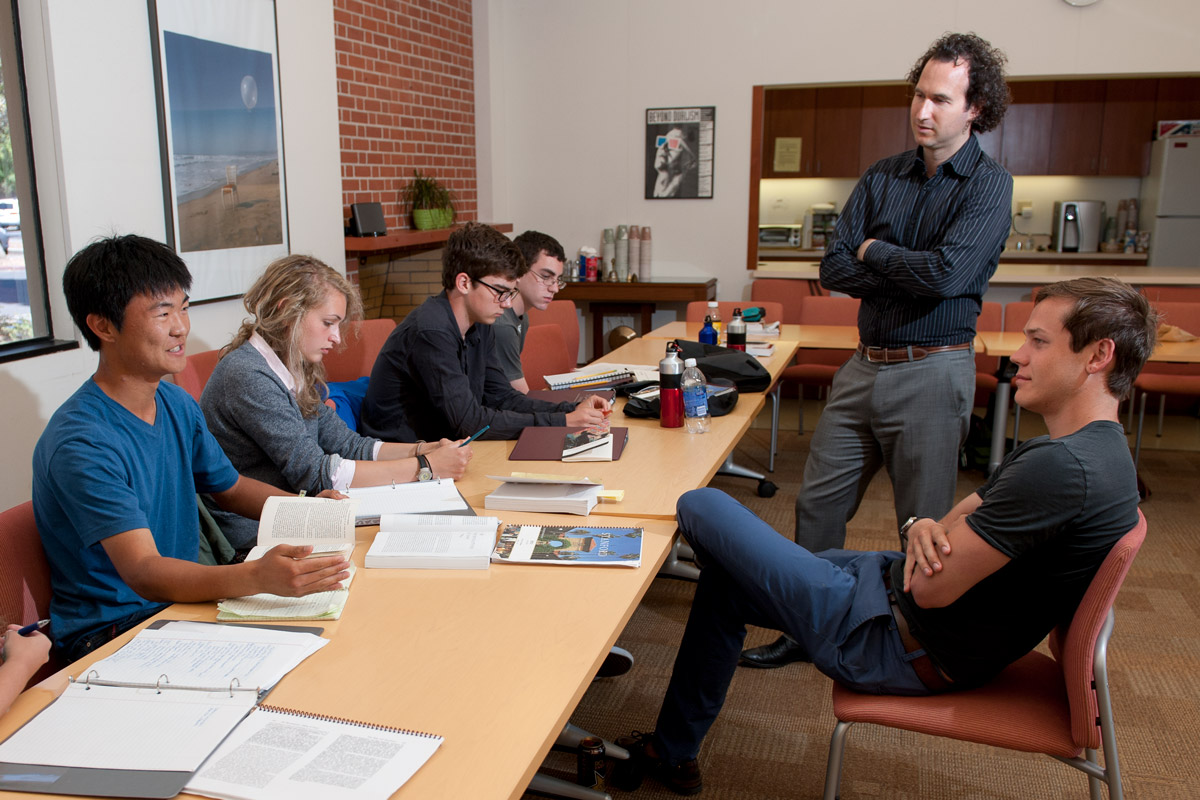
(476, 435)
(33, 626)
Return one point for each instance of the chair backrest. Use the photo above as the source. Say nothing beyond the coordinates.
(196, 372)
(697, 310)
(1088, 635)
(363, 342)
(990, 319)
(1016, 314)
(545, 353)
(820, 310)
(231, 174)
(561, 313)
(1174, 294)
(1182, 315)
(25, 590)
(786, 291)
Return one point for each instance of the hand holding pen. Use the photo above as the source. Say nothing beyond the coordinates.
(27, 644)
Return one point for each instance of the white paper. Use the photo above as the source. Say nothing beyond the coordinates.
(106, 727)
(279, 756)
(420, 541)
(418, 497)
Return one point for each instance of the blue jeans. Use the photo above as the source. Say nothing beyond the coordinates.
(911, 418)
(835, 605)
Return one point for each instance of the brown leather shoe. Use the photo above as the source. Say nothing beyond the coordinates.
(778, 653)
(682, 778)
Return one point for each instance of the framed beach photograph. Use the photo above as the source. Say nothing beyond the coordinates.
(221, 137)
(679, 152)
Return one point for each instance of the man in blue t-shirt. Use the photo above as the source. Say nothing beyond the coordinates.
(116, 472)
(976, 590)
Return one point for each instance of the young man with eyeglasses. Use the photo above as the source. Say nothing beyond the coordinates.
(535, 289)
(437, 375)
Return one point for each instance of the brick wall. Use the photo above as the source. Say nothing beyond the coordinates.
(406, 101)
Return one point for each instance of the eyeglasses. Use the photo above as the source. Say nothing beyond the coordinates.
(672, 142)
(502, 295)
(550, 280)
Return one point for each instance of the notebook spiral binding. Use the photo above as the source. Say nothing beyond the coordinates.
(328, 718)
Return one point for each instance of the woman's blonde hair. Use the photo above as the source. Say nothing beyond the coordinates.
(289, 288)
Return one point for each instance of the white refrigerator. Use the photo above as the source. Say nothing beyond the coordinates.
(1170, 207)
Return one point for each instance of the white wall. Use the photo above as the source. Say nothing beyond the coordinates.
(568, 83)
(90, 85)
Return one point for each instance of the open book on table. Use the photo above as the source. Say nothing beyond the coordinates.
(139, 722)
(327, 525)
(429, 541)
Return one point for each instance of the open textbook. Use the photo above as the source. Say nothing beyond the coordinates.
(280, 754)
(152, 712)
(327, 525)
(430, 541)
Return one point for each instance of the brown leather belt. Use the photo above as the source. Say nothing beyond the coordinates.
(926, 670)
(900, 355)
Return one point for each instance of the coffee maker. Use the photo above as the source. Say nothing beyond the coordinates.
(1078, 225)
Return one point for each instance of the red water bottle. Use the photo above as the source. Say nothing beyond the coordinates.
(735, 333)
(670, 388)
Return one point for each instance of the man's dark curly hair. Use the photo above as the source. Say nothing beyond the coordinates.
(987, 88)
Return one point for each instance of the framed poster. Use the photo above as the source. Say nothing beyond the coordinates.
(221, 139)
(679, 152)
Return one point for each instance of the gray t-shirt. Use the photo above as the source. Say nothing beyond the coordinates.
(509, 338)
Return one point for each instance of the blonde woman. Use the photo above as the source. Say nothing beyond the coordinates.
(264, 405)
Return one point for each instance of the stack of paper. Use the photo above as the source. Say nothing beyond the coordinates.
(426, 541)
(760, 349)
(763, 330)
(567, 496)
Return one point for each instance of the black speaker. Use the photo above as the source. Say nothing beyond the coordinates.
(366, 219)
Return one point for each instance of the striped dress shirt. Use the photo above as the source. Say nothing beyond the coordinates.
(939, 240)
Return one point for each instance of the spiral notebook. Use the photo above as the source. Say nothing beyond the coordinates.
(282, 754)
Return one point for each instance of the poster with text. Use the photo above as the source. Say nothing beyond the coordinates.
(222, 129)
(679, 152)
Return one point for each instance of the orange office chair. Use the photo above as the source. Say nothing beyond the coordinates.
(1163, 378)
(990, 319)
(544, 353)
(817, 367)
(25, 591)
(1059, 706)
(561, 313)
(786, 291)
(363, 342)
(195, 373)
(1172, 294)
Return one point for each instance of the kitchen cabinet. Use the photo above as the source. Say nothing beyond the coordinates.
(1177, 98)
(1077, 124)
(885, 124)
(1128, 127)
(790, 113)
(827, 121)
(1028, 128)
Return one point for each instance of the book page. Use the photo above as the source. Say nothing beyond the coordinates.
(306, 520)
(424, 522)
(194, 654)
(294, 757)
(266, 606)
(418, 497)
(108, 727)
(435, 541)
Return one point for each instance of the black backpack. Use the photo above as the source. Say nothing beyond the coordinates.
(742, 369)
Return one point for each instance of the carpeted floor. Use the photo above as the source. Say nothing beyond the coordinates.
(772, 738)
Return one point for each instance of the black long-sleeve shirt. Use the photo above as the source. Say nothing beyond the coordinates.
(939, 240)
(429, 381)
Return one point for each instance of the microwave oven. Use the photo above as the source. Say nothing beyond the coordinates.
(780, 235)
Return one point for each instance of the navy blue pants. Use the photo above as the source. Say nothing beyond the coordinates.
(834, 604)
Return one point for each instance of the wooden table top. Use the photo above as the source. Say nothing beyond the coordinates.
(1007, 343)
(493, 660)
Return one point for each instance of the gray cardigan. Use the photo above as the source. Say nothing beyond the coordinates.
(258, 424)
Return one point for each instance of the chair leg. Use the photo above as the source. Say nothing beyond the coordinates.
(775, 401)
(572, 735)
(1162, 410)
(549, 786)
(1016, 426)
(1108, 734)
(833, 768)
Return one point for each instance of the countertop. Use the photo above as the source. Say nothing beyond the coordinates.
(1022, 274)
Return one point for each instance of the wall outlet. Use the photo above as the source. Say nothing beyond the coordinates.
(1025, 209)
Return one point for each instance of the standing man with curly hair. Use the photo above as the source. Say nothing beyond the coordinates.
(917, 243)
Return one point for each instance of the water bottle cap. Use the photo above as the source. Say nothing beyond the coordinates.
(712, 303)
(689, 362)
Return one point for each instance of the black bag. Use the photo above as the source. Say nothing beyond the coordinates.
(743, 369)
(637, 408)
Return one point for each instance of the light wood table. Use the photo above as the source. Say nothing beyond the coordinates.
(493, 660)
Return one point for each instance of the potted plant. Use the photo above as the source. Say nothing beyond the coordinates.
(431, 203)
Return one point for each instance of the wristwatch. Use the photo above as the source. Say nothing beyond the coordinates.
(424, 471)
(904, 532)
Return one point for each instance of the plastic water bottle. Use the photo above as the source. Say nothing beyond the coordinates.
(695, 398)
(714, 313)
(670, 392)
(708, 334)
(735, 338)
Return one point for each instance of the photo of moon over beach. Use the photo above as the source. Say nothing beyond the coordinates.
(224, 138)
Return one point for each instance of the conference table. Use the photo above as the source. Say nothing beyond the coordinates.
(493, 660)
